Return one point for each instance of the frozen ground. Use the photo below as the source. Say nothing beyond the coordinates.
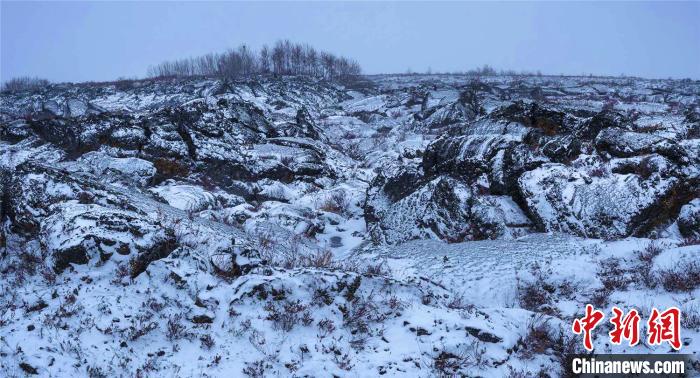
(424, 225)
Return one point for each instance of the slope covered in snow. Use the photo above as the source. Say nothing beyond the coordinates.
(400, 225)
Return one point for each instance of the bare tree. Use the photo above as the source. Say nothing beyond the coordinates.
(278, 58)
(328, 62)
(24, 84)
(296, 59)
(285, 58)
(264, 60)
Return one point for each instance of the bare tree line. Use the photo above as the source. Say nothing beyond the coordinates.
(24, 83)
(284, 58)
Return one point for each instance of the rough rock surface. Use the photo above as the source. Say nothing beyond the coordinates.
(392, 225)
(689, 219)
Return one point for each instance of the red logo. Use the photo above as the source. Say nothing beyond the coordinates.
(665, 326)
(626, 327)
(587, 324)
(661, 327)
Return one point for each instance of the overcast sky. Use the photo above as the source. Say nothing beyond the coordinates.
(81, 41)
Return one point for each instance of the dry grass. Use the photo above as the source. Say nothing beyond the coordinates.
(683, 277)
(335, 202)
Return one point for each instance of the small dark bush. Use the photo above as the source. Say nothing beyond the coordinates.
(19, 84)
(448, 364)
(597, 172)
(167, 168)
(141, 326)
(683, 277)
(288, 315)
(174, 329)
(325, 327)
(287, 160)
(255, 369)
(611, 275)
(458, 302)
(691, 316)
(359, 313)
(599, 297)
(565, 348)
(692, 240)
(322, 259)
(651, 250)
(124, 84)
(538, 338)
(336, 202)
(207, 342)
(532, 296)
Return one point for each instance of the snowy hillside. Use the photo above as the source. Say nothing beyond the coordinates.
(398, 225)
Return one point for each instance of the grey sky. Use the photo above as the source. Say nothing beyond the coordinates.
(81, 41)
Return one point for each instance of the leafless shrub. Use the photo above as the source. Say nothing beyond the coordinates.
(29, 261)
(25, 83)
(266, 240)
(147, 368)
(255, 369)
(450, 364)
(321, 259)
(207, 341)
(120, 273)
(288, 315)
(598, 171)
(353, 150)
(651, 250)
(565, 348)
(325, 327)
(123, 84)
(96, 372)
(287, 160)
(475, 354)
(599, 297)
(49, 275)
(611, 274)
(538, 339)
(375, 269)
(532, 296)
(141, 326)
(643, 271)
(341, 359)
(459, 302)
(645, 168)
(154, 305)
(396, 113)
(322, 297)
(394, 303)
(691, 240)
(174, 329)
(537, 293)
(684, 276)
(360, 312)
(335, 202)
(691, 315)
(516, 373)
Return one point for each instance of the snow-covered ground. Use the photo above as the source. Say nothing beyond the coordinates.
(420, 225)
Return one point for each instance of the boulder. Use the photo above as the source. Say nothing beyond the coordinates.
(609, 205)
(467, 156)
(443, 208)
(620, 143)
(689, 219)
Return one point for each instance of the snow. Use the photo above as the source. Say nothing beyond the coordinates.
(295, 213)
